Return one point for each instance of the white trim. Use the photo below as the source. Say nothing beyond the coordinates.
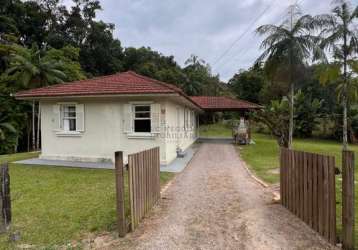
(141, 135)
(66, 103)
(141, 102)
(64, 133)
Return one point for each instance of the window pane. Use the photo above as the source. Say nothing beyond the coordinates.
(70, 114)
(142, 108)
(142, 126)
(73, 125)
(69, 111)
(142, 115)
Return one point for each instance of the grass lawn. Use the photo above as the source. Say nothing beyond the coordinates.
(215, 130)
(262, 158)
(55, 205)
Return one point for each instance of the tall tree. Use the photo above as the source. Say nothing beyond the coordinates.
(33, 69)
(200, 80)
(247, 84)
(340, 37)
(289, 44)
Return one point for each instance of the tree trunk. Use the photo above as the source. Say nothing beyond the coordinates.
(38, 127)
(345, 96)
(28, 125)
(292, 90)
(33, 127)
(290, 130)
(345, 124)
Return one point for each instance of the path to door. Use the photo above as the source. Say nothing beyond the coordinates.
(214, 204)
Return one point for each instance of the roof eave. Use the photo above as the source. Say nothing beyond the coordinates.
(230, 109)
(39, 97)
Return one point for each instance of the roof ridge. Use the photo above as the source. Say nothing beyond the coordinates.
(168, 85)
(171, 86)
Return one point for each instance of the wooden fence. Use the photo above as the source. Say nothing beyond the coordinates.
(143, 186)
(348, 199)
(5, 201)
(308, 189)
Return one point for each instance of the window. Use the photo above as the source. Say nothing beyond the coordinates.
(142, 119)
(68, 114)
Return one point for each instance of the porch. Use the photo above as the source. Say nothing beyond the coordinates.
(241, 129)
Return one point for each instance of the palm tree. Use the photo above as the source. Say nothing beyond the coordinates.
(194, 60)
(340, 37)
(289, 44)
(32, 69)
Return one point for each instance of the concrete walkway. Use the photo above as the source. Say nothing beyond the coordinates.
(175, 166)
(215, 204)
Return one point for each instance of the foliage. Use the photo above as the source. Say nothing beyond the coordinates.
(248, 84)
(287, 48)
(69, 58)
(339, 36)
(276, 117)
(34, 69)
(153, 64)
(307, 110)
(200, 80)
(289, 44)
(11, 121)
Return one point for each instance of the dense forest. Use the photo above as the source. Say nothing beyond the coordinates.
(43, 42)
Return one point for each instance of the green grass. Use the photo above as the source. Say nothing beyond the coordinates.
(262, 158)
(55, 205)
(18, 156)
(215, 130)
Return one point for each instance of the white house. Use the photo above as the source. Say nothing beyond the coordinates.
(89, 120)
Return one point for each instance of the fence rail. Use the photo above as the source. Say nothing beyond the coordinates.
(308, 189)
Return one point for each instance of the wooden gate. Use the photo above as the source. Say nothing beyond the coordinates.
(143, 186)
(308, 189)
(144, 183)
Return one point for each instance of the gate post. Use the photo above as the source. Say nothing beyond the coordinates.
(119, 175)
(5, 201)
(348, 200)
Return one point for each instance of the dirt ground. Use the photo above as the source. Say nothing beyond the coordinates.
(215, 204)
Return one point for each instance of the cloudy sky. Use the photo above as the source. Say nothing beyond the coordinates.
(220, 32)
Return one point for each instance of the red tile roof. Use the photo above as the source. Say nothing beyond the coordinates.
(121, 83)
(222, 103)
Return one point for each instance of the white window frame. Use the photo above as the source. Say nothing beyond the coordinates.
(134, 118)
(65, 118)
(61, 131)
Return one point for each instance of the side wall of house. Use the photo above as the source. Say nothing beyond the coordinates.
(104, 132)
(178, 135)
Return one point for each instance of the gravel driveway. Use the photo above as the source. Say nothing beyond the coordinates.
(214, 204)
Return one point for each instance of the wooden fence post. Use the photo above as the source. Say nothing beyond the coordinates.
(119, 174)
(5, 201)
(348, 200)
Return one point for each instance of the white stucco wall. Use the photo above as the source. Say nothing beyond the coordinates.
(104, 131)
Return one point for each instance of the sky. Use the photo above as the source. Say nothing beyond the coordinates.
(221, 32)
